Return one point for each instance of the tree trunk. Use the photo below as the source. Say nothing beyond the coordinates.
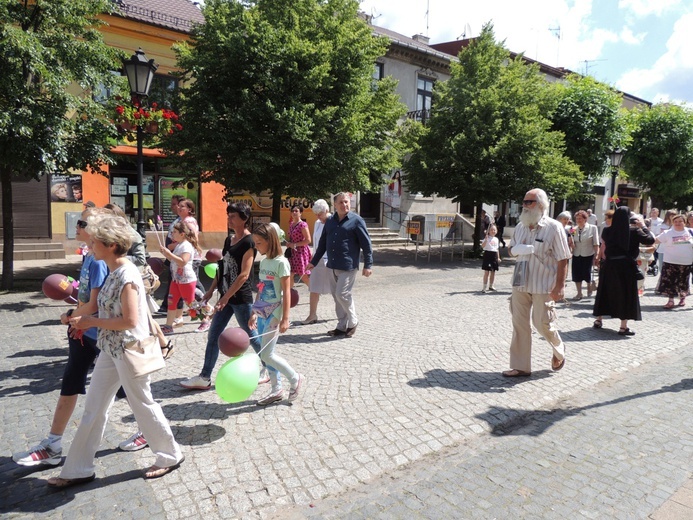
(7, 229)
(476, 245)
(276, 205)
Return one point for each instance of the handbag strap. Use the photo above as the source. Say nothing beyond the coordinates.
(152, 328)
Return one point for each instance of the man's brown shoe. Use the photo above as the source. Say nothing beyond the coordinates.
(336, 332)
(350, 332)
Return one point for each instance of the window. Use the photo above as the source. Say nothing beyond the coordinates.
(164, 90)
(379, 71)
(424, 93)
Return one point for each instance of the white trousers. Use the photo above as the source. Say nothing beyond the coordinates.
(342, 285)
(108, 375)
(524, 305)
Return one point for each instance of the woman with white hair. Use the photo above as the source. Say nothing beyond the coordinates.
(122, 319)
(319, 282)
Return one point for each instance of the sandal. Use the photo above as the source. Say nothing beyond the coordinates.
(62, 483)
(557, 366)
(515, 373)
(166, 330)
(597, 324)
(625, 331)
(669, 305)
(682, 302)
(167, 351)
(157, 471)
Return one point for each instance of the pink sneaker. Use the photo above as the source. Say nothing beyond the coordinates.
(204, 327)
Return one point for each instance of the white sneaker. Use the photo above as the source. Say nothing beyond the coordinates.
(492, 288)
(135, 442)
(178, 322)
(38, 455)
(196, 383)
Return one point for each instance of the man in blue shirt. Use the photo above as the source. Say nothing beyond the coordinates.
(344, 237)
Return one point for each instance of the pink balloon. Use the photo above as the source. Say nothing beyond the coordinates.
(233, 342)
(294, 297)
(57, 287)
(157, 265)
(213, 255)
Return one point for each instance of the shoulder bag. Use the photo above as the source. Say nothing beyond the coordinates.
(144, 356)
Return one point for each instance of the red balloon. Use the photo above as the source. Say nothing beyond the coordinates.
(213, 255)
(294, 297)
(57, 287)
(233, 342)
(157, 265)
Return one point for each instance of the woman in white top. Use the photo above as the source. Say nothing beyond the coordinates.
(677, 246)
(319, 282)
(122, 319)
(585, 249)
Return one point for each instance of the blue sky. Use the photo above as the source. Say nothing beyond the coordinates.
(641, 47)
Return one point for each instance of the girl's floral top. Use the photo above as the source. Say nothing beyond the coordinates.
(113, 341)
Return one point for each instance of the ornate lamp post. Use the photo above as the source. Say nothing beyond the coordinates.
(140, 73)
(615, 160)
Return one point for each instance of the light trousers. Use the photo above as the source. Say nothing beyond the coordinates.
(108, 375)
(525, 306)
(341, 286)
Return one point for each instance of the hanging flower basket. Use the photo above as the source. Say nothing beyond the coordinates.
(154, 120)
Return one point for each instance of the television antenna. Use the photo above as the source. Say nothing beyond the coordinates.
(587, 65)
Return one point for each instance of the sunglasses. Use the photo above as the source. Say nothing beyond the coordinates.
(82, 224)
(528, 202)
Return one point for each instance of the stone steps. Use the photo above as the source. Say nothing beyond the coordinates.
(41, 250)
(384, 237)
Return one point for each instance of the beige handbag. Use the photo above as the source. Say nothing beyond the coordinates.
(144, 356)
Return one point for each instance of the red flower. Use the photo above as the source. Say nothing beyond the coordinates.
(137, 115)
(146, 115)
(154, 105)
(120, 110)
(179, 127)
(166, 115)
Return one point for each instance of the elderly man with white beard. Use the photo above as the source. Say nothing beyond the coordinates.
(542, 252)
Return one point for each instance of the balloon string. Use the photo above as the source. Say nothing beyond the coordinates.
(275, 332)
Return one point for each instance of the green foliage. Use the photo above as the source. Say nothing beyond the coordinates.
(660, 154)
(282, 99)
(51, 56)
(590, 116)
(489, 137)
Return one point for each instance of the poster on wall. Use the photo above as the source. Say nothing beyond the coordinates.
(66, 188)
(393, 191)
(169, 186)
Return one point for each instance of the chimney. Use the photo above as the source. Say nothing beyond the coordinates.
(421, 38)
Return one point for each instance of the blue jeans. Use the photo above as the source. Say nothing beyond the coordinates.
(219, 322)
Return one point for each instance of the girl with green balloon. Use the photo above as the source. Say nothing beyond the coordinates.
(270, 315)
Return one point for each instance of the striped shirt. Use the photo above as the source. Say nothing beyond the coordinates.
(550, 247)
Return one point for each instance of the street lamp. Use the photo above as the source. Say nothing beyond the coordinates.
(615, 160)
(140, 73)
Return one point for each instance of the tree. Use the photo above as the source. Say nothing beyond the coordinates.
(489, 136)
(660, 154)
(282, 99)
(589, 115)
(51, 55)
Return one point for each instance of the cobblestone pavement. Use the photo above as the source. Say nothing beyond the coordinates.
(418, 383)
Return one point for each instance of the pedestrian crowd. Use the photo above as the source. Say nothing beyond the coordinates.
(113, 310)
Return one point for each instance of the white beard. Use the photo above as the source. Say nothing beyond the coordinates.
(531, 216)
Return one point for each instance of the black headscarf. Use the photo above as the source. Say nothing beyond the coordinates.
(620, 227)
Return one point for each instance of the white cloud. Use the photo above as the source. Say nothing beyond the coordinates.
(628, 37)
(642, 8)
(672, 74)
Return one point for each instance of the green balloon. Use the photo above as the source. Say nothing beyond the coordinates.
(237, 378)
(211, 270)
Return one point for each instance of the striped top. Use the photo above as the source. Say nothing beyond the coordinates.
(550, 247)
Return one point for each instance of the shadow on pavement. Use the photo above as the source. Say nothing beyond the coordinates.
(16, 488)
(534, 423)
(50, 373)
(470, 381)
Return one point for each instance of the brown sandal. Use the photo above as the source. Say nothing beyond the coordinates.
(515, 373)
(62, 483)
(557, 366)
(157, 471)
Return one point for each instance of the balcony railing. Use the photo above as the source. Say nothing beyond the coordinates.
(420, 115)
